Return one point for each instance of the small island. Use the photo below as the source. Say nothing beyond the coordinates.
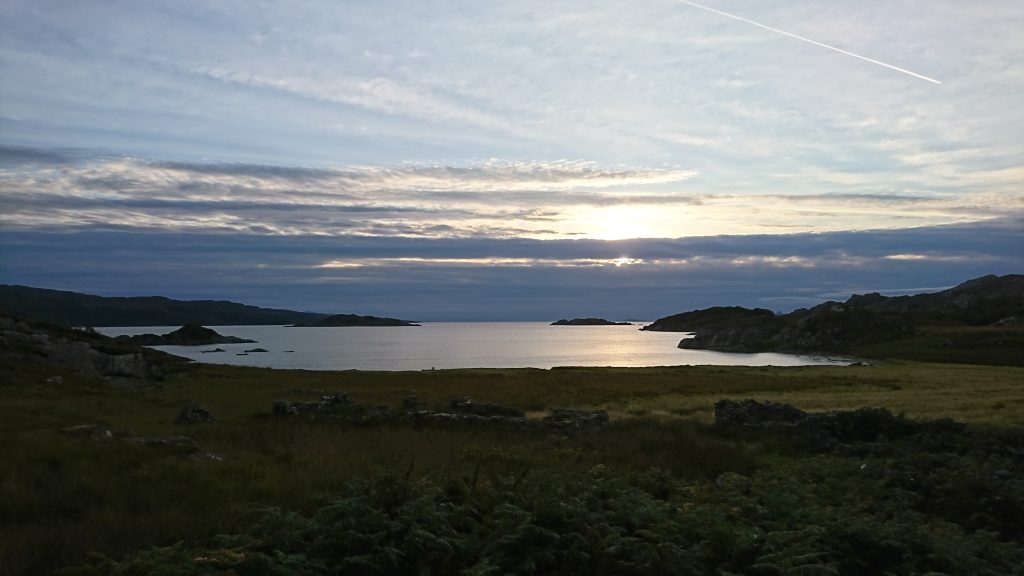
(191, 334)
(339, 320)
(589, 322)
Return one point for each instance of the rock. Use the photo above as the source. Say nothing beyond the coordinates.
(817, 431)
(188, 335)
(256, 350)
(334, 405)
(194, 414)
(589, 322)
(176, 444)
(90, 431)
(467, 406)
(212, 351)
(571, 421)
(79, 351)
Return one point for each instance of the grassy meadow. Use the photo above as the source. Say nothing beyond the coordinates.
(494, 496)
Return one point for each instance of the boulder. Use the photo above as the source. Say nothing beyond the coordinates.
(467, 406)
(572, 421)
(193, 413)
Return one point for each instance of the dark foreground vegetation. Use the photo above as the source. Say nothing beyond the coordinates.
(184, 469)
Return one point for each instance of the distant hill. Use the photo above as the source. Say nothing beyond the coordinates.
(74, 309)
(981, 320)
(978, 302)
(341, 320)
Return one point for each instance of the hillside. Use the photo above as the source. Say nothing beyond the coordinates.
(346, 320)
(75, 309)
(714, 318)
(588, 322)
(977, 321)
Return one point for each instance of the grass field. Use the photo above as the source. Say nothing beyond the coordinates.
(62, 498)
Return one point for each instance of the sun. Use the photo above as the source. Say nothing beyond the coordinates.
(622, 222)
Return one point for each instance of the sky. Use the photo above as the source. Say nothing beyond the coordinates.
(510, 160)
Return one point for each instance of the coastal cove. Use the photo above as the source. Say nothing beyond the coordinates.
(443, 345)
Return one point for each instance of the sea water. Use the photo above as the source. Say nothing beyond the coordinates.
(437, 345)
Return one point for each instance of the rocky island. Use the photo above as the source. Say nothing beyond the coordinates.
(191, 334)
(589, 322)
(353, 320)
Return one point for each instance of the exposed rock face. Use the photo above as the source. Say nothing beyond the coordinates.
(338, 320)
(188, 335)
(459, 412)
(749, 339)
(589, 322)
(80, 351)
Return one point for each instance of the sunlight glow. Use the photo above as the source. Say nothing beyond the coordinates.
(484, 262)
(626, 221)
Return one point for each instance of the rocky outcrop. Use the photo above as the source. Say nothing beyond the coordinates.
(193, 413)
(716, 318)
(738, 339)
(332, 406)
(341, 320)
(862, 320)
(984, 301)
(568, 420)
(462, 411)
(589, 322)
(828, 327)
(79, 351)
(821, 431)
(175, 445)
(188, 335)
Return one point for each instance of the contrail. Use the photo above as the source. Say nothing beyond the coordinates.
(808, 40)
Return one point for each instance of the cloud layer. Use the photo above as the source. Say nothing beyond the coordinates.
(512, 278)
(43, 189)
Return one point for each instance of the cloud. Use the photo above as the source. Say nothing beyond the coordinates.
(21, 156)
(558, 199)
(510, 278)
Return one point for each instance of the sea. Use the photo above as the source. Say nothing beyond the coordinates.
(441, 345)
